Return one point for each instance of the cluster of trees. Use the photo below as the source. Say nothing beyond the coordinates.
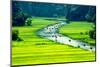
(15, 35)
(22, 12)
(42, 9)
(81, 13)
(92, 33)
(19, 17)
(71, 11)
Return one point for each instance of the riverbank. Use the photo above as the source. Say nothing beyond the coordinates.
(51, 32)
(38, 50)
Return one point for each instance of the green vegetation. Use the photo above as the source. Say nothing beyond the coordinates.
(30, 48)
(37, 50)
(15, 34)
(79, 30)
(92, 33)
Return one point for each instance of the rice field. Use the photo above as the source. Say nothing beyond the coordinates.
(78, 30)
(37, 50)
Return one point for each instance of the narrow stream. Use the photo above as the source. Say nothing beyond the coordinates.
(51, 32)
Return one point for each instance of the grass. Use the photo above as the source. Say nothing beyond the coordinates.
(74, 30)
(36, 50)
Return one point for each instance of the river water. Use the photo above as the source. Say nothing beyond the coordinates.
(51, 32)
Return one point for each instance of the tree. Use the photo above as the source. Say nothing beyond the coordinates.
(92, 34)
(15, 35)
(18, 15)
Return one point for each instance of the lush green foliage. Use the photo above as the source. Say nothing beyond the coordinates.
(71, 11)
(30, 48)
(15, 34)
(37, 50)
(79, 30)
(92, 34)
(19, 16)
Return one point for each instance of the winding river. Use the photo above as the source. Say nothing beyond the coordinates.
(51, 32)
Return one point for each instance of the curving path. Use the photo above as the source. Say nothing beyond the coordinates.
(51, 32)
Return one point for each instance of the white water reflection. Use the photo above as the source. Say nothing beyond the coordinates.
(50, 32)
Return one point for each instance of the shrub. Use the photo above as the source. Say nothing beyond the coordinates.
(29, 22)
(81, 33)
(92, 34)
(15, 35)
(86, 33)
(19, 19)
